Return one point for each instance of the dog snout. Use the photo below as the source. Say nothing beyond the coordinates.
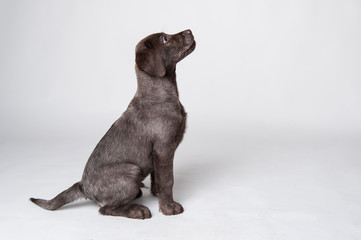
(188, 36)
(187, 32)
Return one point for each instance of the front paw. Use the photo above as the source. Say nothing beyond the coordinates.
(171, 208)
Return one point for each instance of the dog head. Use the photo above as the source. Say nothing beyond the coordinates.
(159, 52)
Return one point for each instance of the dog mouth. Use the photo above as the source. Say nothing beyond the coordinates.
(188, 51)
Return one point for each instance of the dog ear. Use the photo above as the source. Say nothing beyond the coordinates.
(150, 62)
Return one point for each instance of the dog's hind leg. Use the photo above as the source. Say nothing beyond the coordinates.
(130, 210)
(122, 206)
(114, 189)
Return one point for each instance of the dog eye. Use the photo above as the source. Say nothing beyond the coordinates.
(165, 39)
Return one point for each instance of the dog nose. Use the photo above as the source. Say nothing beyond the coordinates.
(187, 36)
(188, 32)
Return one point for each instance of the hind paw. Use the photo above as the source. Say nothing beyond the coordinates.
(133, 210)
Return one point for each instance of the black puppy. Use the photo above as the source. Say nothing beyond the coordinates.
(142, 141)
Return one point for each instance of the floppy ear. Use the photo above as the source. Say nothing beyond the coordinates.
(150, 62)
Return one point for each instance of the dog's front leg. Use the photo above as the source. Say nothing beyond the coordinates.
(153, 185)
(162, 182)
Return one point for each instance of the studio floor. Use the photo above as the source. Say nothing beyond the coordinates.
(246, 184)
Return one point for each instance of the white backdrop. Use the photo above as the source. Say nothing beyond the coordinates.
(263, 72)
(294, 64)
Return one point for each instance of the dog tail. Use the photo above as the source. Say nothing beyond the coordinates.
(73, 193)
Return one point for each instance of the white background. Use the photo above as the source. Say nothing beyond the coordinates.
(273, 94)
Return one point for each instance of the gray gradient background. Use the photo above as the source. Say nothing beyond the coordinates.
(273, 93)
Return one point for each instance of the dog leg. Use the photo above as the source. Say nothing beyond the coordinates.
(131, 210)
(163, 179)
(118, 185)
(139, 194)
(153, 184)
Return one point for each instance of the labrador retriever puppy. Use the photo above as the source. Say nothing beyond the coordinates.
(142, 141)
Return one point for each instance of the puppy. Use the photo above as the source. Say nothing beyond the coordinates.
(142, 141)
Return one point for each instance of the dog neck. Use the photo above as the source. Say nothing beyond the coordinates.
(157, 88)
